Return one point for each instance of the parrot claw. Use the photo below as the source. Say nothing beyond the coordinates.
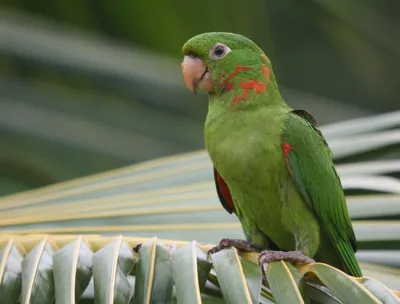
(268, 256)
(241, 245)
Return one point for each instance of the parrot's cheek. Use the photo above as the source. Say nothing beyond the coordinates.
(196, 75)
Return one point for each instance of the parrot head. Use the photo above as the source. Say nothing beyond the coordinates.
(219, 62)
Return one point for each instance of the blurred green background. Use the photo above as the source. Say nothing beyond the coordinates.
(87, 86)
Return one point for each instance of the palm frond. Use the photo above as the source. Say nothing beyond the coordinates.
(75, 239)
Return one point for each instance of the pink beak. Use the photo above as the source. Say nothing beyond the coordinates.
(196, 75)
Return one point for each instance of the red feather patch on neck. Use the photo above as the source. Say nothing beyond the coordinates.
(266, 71)
(245, 86)
(249, 85)
(229, 85)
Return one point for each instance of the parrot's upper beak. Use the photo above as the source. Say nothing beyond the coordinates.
(196, 75)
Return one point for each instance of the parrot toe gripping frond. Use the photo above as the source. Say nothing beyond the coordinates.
(268, 256)
(242, 245)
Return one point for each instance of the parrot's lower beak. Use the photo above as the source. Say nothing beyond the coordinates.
(196, 75)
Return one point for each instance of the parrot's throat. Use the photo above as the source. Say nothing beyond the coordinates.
(245, 79)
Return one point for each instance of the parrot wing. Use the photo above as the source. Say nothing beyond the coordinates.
(309, 161)
(223, 192)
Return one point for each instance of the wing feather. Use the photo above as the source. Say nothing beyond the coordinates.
(309, 161)
(223, 192)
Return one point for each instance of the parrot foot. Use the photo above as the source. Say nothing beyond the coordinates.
(268, 256)
(242, 245)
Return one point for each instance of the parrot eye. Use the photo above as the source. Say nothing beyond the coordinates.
(219, 51)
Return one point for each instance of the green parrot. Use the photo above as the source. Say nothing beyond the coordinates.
(272, 165)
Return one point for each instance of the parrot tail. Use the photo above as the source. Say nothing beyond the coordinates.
(348, 258)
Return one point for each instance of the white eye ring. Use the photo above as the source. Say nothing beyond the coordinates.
(219, 51)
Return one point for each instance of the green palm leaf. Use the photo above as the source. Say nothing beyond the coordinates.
(78, 246)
